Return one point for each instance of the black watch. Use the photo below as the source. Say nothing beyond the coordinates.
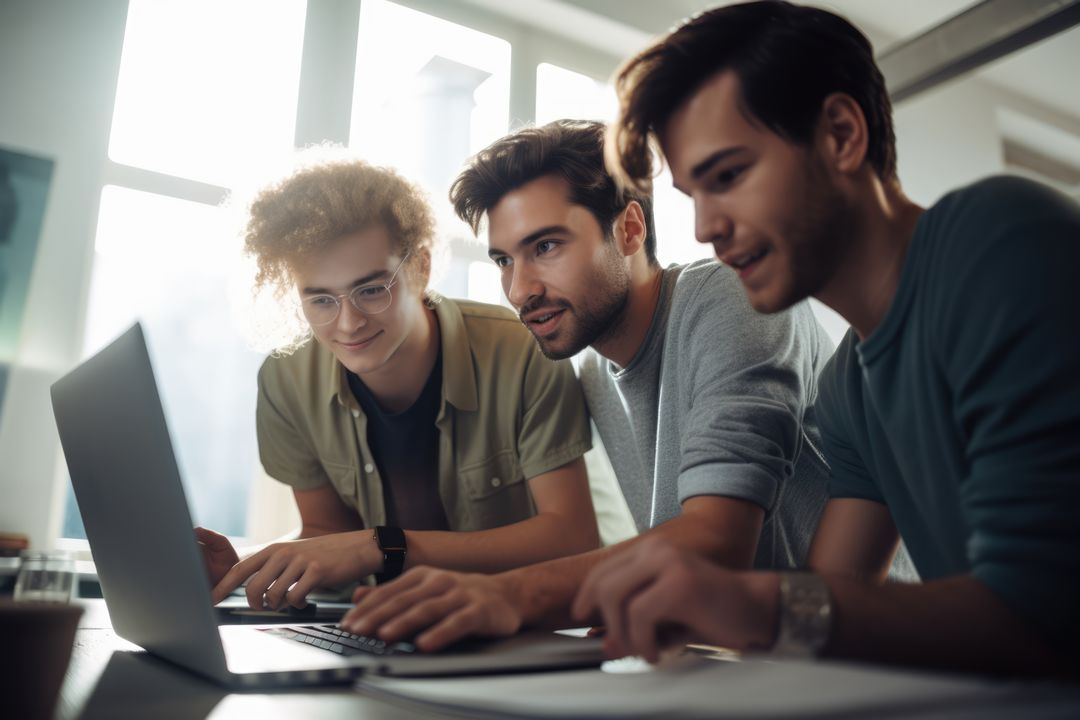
(391, 541)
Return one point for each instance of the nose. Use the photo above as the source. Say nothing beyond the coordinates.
(712, 226)
(349, 318)
(521, 285)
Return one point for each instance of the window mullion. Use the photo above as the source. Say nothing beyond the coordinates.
(327, 70)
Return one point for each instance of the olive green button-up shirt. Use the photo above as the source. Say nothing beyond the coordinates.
(507, 414)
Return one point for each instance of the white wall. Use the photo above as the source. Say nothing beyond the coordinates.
(59, 61)
(946, 138)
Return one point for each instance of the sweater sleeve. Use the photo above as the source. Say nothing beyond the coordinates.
(1011, 352)
(748, 377)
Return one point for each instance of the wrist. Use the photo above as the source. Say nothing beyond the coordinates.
(392, 549)
(512, 586)
(805, 615)
(369, 552)
(764, 591)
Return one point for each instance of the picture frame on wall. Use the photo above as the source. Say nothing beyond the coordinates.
(24, 190)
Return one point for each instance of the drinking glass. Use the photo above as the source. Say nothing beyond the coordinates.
(45, 577)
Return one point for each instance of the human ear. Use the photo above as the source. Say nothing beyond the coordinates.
(843, 134)
(630, 229)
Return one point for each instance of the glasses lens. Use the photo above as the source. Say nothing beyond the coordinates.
(321, 309)
(371, 299)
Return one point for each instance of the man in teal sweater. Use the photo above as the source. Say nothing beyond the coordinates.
(951, 411)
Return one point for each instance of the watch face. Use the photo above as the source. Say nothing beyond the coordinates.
(390, 538)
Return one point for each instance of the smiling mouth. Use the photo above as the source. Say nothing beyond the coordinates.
(360, 343)
(746, 261)
(544, 324)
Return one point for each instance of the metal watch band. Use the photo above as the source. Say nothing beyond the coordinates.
(805, 615)
(391, 540)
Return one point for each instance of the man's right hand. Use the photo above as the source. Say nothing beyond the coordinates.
(218, 553)
(437, 607)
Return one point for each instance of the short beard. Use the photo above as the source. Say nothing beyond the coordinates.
(818, 239)
(600, 315)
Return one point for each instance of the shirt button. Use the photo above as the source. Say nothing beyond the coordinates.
(369, 468)
(355, 413)
(495, 482)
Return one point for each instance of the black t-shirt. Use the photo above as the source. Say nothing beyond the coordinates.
(406, 450)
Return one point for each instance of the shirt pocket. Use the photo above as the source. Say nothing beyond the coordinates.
(497, 491)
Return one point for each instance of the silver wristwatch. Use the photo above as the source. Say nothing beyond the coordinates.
(805, 615)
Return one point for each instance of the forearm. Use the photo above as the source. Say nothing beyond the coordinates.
(544, 592)
(954, 624)
(537, 539)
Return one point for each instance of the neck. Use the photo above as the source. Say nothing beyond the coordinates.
(865, 282)
(622, 343)
(398, 383)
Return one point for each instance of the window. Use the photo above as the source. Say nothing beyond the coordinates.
(562, 93)
(207, 89)
(208, 93)
(169, 264)
(424, 106)
(207, 101)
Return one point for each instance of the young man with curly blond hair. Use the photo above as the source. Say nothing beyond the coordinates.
(413, 429)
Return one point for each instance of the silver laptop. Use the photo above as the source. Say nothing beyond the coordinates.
(127, 484)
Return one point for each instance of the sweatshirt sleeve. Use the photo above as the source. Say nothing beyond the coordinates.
(751, 377)
(1010, 349)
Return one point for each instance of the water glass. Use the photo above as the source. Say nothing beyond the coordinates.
(45, 577)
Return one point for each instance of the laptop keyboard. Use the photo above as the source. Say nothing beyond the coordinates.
(336, 640)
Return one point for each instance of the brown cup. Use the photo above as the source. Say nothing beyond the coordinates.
(35, 648)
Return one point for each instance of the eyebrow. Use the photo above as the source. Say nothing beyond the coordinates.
(532, 238)
(705, 165)
(355, 283)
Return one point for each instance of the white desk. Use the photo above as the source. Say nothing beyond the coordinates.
(110, 678)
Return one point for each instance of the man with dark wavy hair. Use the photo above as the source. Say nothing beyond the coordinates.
(704, 406)
(951, 411)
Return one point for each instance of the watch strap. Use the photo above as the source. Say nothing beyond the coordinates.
(391, 540)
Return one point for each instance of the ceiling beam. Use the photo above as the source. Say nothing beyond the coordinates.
(979, 35)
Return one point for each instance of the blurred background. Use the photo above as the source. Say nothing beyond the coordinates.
(125, 126)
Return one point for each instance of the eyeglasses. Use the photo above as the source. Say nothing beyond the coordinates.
(368, 299)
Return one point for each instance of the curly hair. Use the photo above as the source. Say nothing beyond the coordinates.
(315, 205)
(327, 195)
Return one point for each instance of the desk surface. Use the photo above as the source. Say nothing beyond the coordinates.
(111, 678)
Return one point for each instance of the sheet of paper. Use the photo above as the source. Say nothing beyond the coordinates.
(693, 687)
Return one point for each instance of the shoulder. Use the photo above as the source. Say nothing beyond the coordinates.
(484, 323)
(1000, 210)
(839, 398)
(709, 307)
(1005, 195)
(282, 371)
(475, 311)
(1002, 234)
(501, 347)
(592, 371)
(294, 384)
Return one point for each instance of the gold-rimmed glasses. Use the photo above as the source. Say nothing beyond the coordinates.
(368, 299)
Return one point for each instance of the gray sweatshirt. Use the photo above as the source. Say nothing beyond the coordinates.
(718, 401)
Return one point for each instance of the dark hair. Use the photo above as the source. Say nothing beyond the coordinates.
(788, 59)
(570, 149)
